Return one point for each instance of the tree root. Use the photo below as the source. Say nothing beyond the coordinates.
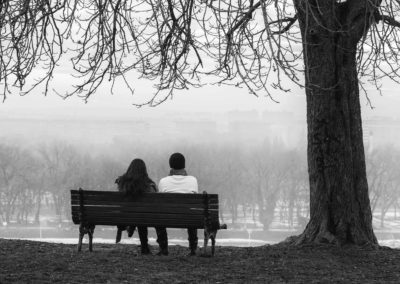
(324, 237)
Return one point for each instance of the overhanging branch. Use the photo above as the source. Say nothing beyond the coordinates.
(290, 21)
(246, 17)
(388, 20)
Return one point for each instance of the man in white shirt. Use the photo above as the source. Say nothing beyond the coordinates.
(177, 182)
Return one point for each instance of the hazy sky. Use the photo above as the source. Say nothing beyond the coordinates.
(207, 99)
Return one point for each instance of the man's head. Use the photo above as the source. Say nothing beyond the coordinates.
(177, 161)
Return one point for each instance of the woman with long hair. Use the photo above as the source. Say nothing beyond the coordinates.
(133, 183)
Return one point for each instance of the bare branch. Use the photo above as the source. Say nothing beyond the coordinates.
(290, 21)
(246, 17)
(388, 20)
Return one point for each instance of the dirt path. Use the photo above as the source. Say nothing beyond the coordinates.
(36, 262)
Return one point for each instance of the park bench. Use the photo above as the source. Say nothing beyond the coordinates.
(171, 210)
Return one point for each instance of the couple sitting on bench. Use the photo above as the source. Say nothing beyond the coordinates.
(136, 181)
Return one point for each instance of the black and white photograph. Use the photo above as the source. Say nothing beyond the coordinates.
(199, 141)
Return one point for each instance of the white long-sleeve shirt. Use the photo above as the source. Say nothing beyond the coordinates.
(178, 184)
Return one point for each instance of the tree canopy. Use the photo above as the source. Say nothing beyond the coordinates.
(248, 43)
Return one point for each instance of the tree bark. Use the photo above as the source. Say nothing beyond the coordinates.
(339, 203)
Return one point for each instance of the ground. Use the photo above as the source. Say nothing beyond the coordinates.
(37, 262)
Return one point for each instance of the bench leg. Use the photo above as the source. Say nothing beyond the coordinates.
(209, 234)
(213, 244)
(89, 229)
(205, 243)
(90, 233)
(81, 234)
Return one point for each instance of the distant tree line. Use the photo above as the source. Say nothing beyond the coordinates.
(256, 185)
(30, 178)
(383, 170)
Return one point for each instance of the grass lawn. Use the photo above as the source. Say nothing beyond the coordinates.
(37, 262)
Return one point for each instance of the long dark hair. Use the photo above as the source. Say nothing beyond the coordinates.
(135, 180)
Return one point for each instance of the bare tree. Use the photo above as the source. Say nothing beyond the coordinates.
(384, 179)
(62, 166)
(17, 183)
(265, 177)
(376, 178)
(10, 162)
(248, 43)
(295, 187)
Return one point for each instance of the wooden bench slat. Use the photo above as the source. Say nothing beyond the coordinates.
(149, 220)
(161, 207)
(126, 204)
(111, 193)
(141, 199)
(170, 223)
(116, 194)
(178, 210)
(166, 225)
(150, 215)
(144, 200)
(145, 220)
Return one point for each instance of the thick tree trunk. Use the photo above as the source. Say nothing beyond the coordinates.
(339, 203)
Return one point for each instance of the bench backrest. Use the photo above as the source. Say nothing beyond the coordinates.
(173, 210)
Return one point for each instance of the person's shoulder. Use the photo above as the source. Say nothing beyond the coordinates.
(164, 182)
(192, 178)
(165, 179)
(192, 183)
